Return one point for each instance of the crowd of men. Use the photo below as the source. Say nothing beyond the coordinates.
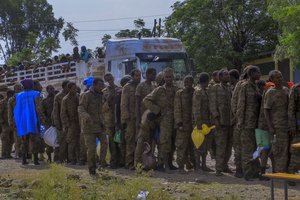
(157, 114)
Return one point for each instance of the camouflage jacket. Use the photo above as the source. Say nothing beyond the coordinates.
(69, 110)
(220, 104)
(48, 108)
(142, 90)
(56, 110)
(4, 112)
(294, 108)
(128, 102)
(10, 112)
(201, 111)
(248, 106)
(183, 108)
(90, 112)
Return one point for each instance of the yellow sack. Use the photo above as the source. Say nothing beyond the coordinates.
(199, 135)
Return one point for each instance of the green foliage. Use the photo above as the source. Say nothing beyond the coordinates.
(70, 33)
(287, 14)
(220, 34)
(105, 38)
(55, 185)
(139, 28)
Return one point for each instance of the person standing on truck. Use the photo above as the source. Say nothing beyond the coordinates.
(128, 116)
(57, 121)
(161, 102)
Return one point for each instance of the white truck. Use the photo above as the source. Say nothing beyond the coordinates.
(121, 57)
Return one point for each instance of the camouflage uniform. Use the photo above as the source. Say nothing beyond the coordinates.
(211, 86)
(11, 122)
(7, 135)
(57, 123)
(277, 100)
(201, 115)
(247, 115)
(183, 115)
(82, 147)
(161, 101)
(109, 94)
(236, 131)
(220, 108)
(90, 112)
(146, 134)
(294, 124)
(70, 123)
(47, 110)
(128, 117)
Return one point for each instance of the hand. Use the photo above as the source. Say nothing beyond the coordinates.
(217, 122)
(199, 126)
(293, 132)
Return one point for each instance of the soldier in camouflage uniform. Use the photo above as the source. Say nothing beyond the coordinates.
(47, 110)
(276, 112)
(294, 127)
(249, 100)
(161, 102)
(183, 120)
(128, 116)
(221, 112)
(91, 116)
(11, 120)
(201, 115)
(70, 121)
(236, 130)
(110, 93)
(57, 121)
(7, 134)
(142, 90)
(214, 81)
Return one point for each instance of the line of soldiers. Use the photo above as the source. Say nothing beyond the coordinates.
(158, 113)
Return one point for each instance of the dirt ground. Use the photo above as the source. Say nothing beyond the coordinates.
(181, 186)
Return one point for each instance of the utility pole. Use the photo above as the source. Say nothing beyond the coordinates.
(4, 56)
(154, 29)
(159, 27)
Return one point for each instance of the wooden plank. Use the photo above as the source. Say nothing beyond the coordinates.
(283, 176)
(296, 145)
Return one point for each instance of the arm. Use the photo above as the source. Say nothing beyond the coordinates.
(213, 105)
(178, 110)
(234, 99)
(292, 112)
(267, 111)
(39, 111)
(241, 107)
(64, 114)
(2, 110)
(56, 113)
(83, 108)
(10, 113)
(125, 113)
(150, 101)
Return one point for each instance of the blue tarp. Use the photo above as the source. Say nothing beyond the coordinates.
(25, 113)
(88, 82)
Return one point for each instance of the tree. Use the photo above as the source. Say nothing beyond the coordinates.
(23, 21)
(105, 38)
(220, 33)
(287, 14)
(139, 28)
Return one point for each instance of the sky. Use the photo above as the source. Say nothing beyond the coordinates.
(107, 16)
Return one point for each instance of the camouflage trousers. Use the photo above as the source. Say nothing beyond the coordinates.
(182, 142)
(82, 148)
(237, 147)
(90, 142)
(224, 147)
(248, 146)
(146, 134)
(280, 150)
(110, 132)
(166, 139)
(130, 140)
(294, 164)
(30, 143)
(17, 142)
(63, 146)
(7, 140)
(72, 140)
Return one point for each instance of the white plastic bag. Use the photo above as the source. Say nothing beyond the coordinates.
(50, 137)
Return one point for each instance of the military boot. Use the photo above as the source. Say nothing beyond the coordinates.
(203, 165)
(24, 159)
(36, 159)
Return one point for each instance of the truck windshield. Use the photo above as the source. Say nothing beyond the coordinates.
(160, 62)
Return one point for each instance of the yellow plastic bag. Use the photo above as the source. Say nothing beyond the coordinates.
(198, 135)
